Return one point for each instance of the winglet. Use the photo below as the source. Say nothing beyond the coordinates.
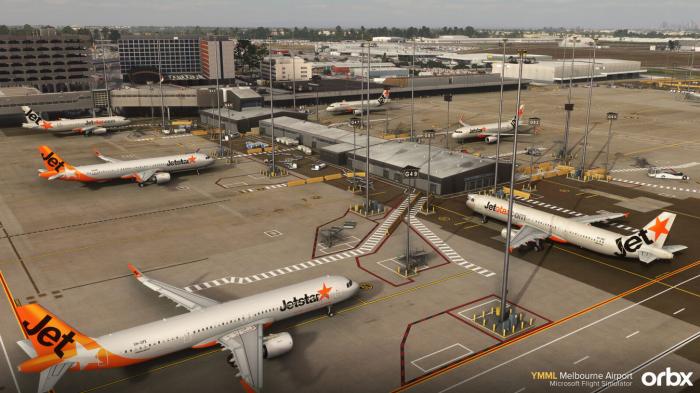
(626, 214)
(134, 270)
(97, 152)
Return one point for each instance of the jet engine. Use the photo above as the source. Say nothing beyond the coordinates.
(276, 345)
(357, 112)
(491, 139)
(504, 233)
(99, 131)
(160, 178)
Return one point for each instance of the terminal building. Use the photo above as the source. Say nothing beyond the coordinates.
(450, 171)
(153, 55)
(50, 64)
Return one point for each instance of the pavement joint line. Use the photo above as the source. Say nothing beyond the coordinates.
(632, 334)
(582, 359)
(558, 322)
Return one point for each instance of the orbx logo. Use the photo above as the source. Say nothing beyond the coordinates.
(667, 378)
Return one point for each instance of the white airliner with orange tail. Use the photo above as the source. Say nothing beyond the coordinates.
(55, 347)
(146, 170)
(647, 245)
(489, 132)
(87, 127)
(359, 107)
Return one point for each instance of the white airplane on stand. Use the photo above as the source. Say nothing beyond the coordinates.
(87, 127)
(54, 347)
(489, 132)
(535, 226)
(359, 107)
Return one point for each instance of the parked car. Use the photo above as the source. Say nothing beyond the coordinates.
(318, 166)
(667, 173)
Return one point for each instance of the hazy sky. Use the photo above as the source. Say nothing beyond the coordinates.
(353, 13)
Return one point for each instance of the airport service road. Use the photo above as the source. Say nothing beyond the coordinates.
(615, 337)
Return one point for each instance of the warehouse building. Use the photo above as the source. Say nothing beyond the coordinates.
(450, 171)
(243, 121)
(558, 71)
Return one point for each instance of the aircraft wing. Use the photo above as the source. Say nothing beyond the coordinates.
(51, 375)
(105, 158)
(144, 175)
(182, 298)
(598, 217)
(246, 345)
(525, 235)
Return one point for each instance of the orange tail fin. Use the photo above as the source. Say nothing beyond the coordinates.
(47, 333)
(52, 161)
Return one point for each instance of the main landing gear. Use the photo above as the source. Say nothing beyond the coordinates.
(231, 362)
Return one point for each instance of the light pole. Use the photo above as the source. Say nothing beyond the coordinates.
(160, 84)
(429, 135)
(273, 170)
(532, 122)
(588, 111)
(409, 172)
(369, 67)
(218, 100)
(569, 107)
(354, 122)
(506, 259)
(294, 78)
(413, 70)
(500, 114)
(448, 98)
(612, 116)
(316, 86)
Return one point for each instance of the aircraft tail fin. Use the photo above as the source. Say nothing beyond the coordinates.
(384, 97)
(660, 227)
(42, 327)
(30, 116)
(461, 121)
(52, 162)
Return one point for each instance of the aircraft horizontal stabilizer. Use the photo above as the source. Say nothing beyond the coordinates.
(674, 248)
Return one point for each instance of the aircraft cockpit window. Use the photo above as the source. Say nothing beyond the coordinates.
(349, 284)
(207, 157)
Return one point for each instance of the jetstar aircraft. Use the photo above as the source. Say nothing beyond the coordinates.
(87, 127)
(146, 170)
(358, 107)
(647, 245)
(489, 132)
(54, 347)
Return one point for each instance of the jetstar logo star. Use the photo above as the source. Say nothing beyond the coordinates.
(191, 159)
(46, 125)
(325, 292)
(659, 228)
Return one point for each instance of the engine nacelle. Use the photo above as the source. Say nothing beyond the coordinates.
(160, 178)
(357, 112)
(99, 131)
(276, 345)
(504, 233)
(491, 139)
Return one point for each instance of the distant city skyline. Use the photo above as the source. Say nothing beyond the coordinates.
(595, 14)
